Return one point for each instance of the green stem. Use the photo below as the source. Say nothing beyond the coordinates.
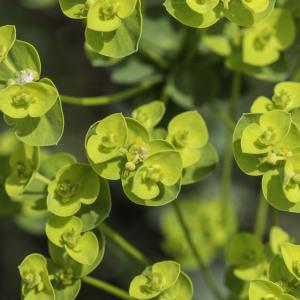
(221, 114)
(207, 276)
(235, 94)
(261, 217)
(228, 155)
(275, 217)
(109, 288)
(144, 86)
(42, 178)
(227, 172)
(125, 245)
(164, 97)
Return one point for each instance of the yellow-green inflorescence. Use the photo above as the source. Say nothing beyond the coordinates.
(163, 280)
(105, 19)
(266, 142)
(205, 13)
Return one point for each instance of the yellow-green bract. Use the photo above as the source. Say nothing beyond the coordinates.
(286, 97)
(202, 14)
(162, 280)
(259, 50)
(263, 42)
(260, 274)
(7, 39)
(24, 162)
(187, 132)
(245, 255)
(35, 279)
(74, 185)
(150, 114)
(151, 169)
(121, 148)
(263, 289)
(32, 106)
(113, 26)
(67, 233)
(266, 142)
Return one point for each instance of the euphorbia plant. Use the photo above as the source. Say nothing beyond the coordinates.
(158, 152)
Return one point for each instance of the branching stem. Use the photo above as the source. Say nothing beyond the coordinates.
(228, 155)
(124, 244)
(144, 86)
(107, 287)
(221, 114)
(275, 217)
(207, 276)
(42, 178)
(261, 217)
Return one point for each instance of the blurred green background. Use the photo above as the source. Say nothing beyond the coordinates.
(59, 42)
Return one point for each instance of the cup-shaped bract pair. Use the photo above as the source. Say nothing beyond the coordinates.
(267, 134)
(33, 99)
(281, 187)
(7, 39)
(264, 289)
(67, 233)
(262, 141)
(108, 15)
(206, 222)
(291, 183)
(31, 105)
(150, 114)
(157, 181)
(279, 279)
(284, 268)
(65, 188)
(286, 97)
(24, 163)
(65, 283)
(263, 43)
(66, 273)
(35, 278)
(267, 144)
(106, 146)
(291, 257)
(33, 210)
(245, 255)
(247, 12)
(188, 133)
(202, 14)
(277, 238)
(182, 289)
(63, 264)
(20, 66)
(193, 13)
(257, 6)
(113, 26)
(279, 274)
(102, 15)
(74, 185)
(163, 280)
(223, 38)
(227, 40)
(44, 278)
